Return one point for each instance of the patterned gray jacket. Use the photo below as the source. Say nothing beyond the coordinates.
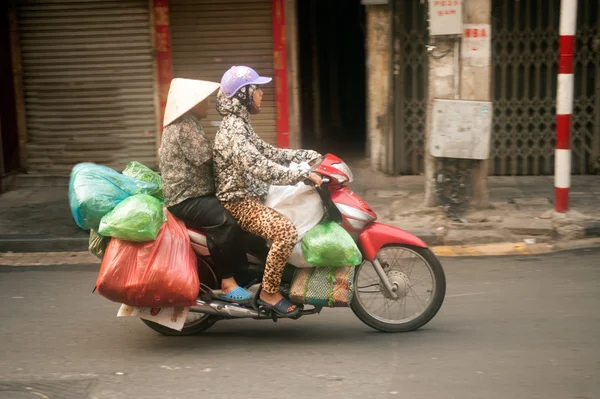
(245, 165)
(185, 161)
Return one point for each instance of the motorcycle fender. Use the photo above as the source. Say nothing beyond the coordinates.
(377, 235)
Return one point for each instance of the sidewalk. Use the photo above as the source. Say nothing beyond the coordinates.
(521, 208)
(35, 215)
(37, 218)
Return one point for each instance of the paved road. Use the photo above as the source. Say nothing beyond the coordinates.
(510, 328)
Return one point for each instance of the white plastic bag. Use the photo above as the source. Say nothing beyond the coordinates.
(297, 257)
(300, 203)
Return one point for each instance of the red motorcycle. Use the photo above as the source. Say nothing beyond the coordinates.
(399, 287)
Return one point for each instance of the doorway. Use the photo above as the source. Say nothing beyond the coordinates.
(9, 139)
(332, 78)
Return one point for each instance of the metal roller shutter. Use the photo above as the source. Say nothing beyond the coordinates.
(210, 36)
(88, 77)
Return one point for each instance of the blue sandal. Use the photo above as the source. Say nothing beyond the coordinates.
(281, 307)
(238, 295)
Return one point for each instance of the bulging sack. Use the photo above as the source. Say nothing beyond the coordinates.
(161, 273)
(328, 244)
(94, 190)
(323, 286)
(141, 172)
(137, 218)
(300, 203)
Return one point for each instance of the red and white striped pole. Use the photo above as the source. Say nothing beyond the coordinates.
(564, 104)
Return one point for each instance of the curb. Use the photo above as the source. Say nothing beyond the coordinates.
(24, 261)
(432, 239)
(591, 229)
(36, 259)
(506, 249)
(34, 244)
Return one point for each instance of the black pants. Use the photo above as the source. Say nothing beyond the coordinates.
(223, 234)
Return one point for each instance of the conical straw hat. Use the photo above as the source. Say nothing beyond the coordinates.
(185, 94)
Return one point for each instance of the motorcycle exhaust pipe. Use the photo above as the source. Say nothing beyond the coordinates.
(224, 309)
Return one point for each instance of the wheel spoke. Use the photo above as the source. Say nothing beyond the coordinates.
(424, 306)
(368, 286)
(416, 281)
(411, 266)
(382, 307)
(387, 307)
(373, 300)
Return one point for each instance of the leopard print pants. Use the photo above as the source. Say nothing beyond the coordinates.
(269, 224)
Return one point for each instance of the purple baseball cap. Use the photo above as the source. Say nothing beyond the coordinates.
(239, 76)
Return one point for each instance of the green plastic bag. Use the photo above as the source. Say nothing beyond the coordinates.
(94, 190)
(137, 218)
(142, 172)
(98, 244)
(328, 244)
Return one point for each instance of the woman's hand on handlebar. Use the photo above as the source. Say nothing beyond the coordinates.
(316, 178)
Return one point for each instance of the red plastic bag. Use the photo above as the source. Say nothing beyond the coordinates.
(160, 273)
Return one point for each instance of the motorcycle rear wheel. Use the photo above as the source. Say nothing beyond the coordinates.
(399, 268)
(203, 323)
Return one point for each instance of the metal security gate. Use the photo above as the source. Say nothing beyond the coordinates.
(88, 77)
(210, 36)
(525, 59)
(410, 86)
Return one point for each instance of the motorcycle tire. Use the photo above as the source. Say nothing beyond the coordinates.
(199, 327)
(425, 317)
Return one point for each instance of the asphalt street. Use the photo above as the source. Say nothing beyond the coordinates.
(511, 327)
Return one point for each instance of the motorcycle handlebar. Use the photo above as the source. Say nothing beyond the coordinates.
(326, 180)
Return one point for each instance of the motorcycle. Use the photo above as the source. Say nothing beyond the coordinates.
(399, 287)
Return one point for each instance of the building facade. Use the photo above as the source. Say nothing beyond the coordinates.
(88, 79)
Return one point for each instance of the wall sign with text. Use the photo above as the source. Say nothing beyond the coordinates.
(445, 17)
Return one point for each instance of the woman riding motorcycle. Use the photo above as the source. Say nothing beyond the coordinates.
(188, 185)
(245, 166)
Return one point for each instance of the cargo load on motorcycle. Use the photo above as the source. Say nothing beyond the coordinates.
(161, 271)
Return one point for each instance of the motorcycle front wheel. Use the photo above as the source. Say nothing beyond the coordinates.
(418, 279)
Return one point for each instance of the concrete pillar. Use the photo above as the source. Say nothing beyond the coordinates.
(441, 85)
(449, 79)
(476, 84)
(378, 66)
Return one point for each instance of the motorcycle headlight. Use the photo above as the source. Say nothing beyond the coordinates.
(342, 167)
(339, 178)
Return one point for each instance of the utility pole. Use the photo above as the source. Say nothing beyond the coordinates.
(564, 104)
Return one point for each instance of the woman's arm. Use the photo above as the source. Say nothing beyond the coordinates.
(244, 155)
(280, 155)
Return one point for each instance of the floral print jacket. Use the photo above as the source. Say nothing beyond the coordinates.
(185, 161)
(245, 165)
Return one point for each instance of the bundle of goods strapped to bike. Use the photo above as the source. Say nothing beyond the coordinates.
(154, 270)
